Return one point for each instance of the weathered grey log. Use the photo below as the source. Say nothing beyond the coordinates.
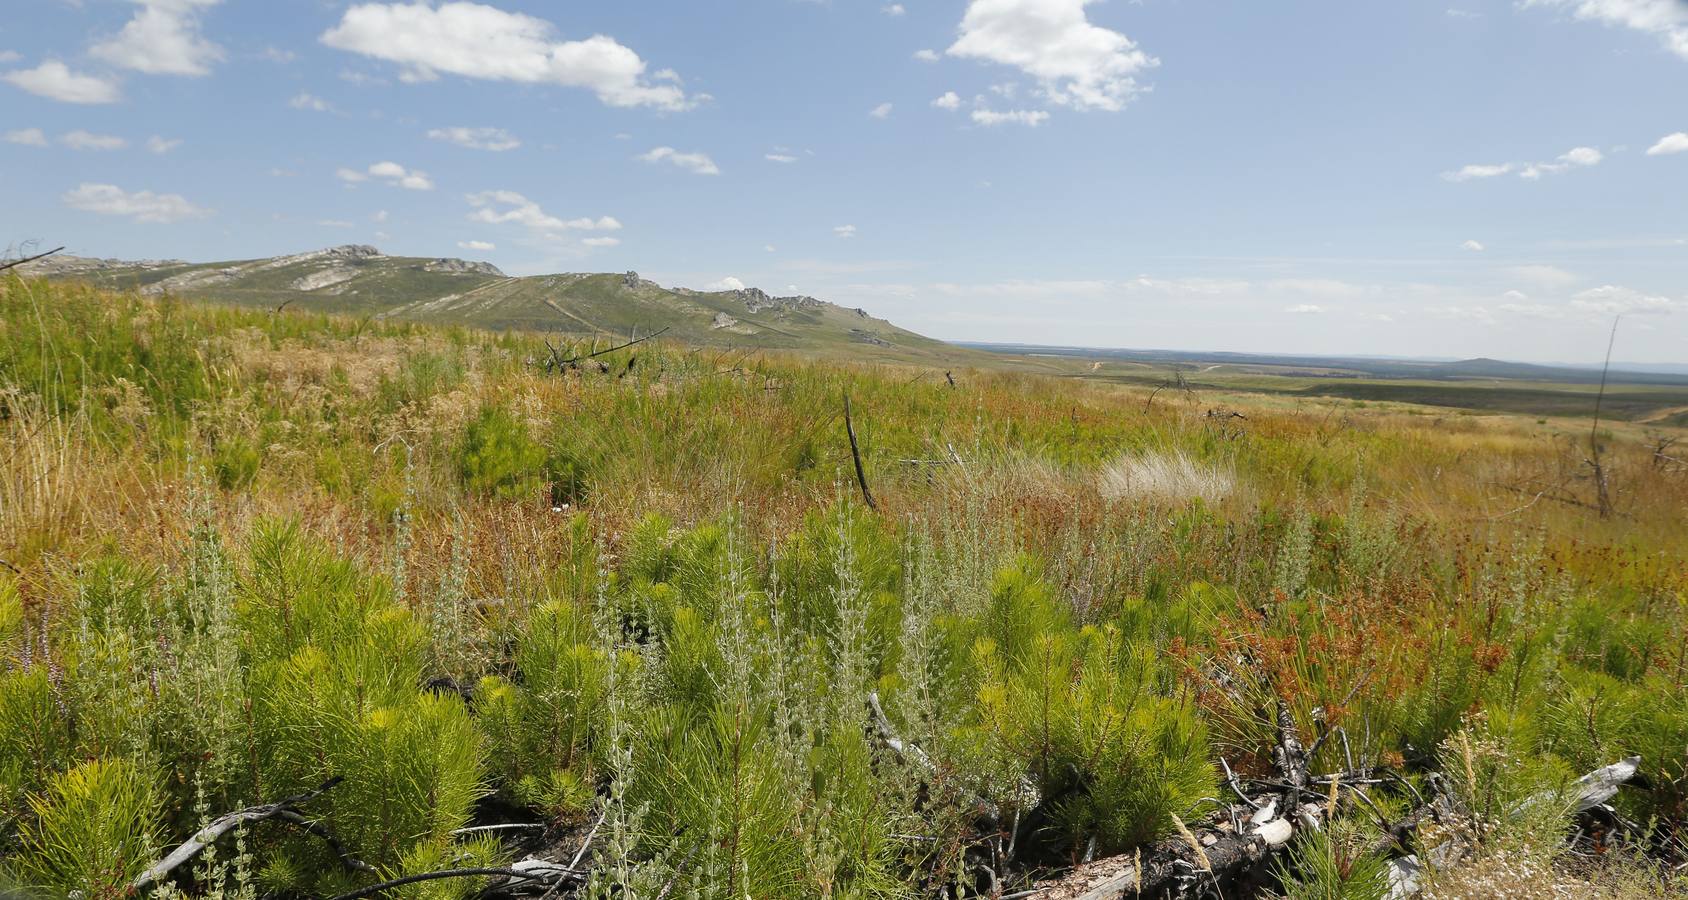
(285, 809)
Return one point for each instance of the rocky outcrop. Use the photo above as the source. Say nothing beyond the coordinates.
(722, 320)
(344, 252)
(756, 300)
(198, 278)
(462, 267)
(60, 264)
(633, 282)
(324, 278)
(868, 337)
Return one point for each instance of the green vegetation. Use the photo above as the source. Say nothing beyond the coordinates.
(247, 551)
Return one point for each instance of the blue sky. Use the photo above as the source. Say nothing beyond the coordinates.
(1489, 178)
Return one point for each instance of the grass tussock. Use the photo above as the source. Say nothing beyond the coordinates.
(1166, 478)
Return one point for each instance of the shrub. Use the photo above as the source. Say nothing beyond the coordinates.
(95, 829)
(497, 456)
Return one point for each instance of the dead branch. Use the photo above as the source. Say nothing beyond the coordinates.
(856, 455)
(285, 809)
(28, 259)
(525, 871)
(597, 353)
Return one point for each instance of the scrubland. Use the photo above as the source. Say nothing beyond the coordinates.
(246, 552)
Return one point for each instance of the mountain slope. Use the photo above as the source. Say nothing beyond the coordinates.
(361, 281)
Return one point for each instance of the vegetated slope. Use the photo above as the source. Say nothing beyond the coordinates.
(359, 280)
(498, 609)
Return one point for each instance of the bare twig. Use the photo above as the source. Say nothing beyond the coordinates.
(28, 259)
(856, 454)
(537, 873)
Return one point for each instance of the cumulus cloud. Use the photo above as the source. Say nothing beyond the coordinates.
(161, 145)
(494, 139)
(163, 38)
(1304, 309)
(845, 231)
(894, 9)
(726, 284)
(601, 242)
(389, 172)
(310, 102)
(882, 111)
(779, 157)
(1469, 173)
(87, 140)
(950, 100)
(926, 55)
(1549, 277)
(509, 207)
(1576, 157)
(1028, 117)
(1076, 62)
(1670, 143)
(474, 40)
(141, 206)
(398, 176)
(55, 81)
(477, 245)
(10, 56)
(1475, 246)
(1667, 19)
(28, 137)
(696, 163)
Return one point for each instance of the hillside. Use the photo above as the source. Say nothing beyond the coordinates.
(360, 280)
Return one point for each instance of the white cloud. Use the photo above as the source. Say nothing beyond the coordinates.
(779, 157)
(1612, 300)
(1475, 246)
(379, 216)
(28, 137)
(10, 56)
(697, 163)
(1670, 143)
(509, 207)
(142, 206)
(1306, 309)
(162, 39)
(310, 102)
(494, 139)
(1478, 171)
(601, 242)
(1028, 117)
(845, 231)
(334, 223)
(1576, 157)
(768, 248)
(726, 284)
(86, 140)
(895, 9)
(882, 111)
(398, 176)
(478, 41)
(950, 100)
(161, 145)
(477, 245)
(926, 55)
(350, 176)
(1078, 64)
(55, 81)
(1666, 18)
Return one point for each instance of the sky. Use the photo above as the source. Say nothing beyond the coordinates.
(1490, 178)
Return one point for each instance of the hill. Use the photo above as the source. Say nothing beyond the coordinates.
(360, 280)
